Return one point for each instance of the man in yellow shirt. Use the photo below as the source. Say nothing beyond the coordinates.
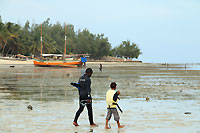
(111, 100)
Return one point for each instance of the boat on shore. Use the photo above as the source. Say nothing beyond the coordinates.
(58, 60)
(42, 63)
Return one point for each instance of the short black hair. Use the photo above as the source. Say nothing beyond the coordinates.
(88, 70)
(113, 85)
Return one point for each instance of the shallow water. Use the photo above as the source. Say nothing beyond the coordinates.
(172, 92)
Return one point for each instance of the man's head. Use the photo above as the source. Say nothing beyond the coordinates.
(113, 85)
(89, 72)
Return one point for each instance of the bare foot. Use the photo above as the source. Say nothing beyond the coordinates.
(94, 125)
(75, 124)
(107, 128)
(121, 126)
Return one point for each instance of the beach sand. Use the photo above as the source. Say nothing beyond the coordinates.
(172, 91)
(13, 62)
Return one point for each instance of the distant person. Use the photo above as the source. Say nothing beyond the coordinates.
(111, 100)
(85, 99)
(100, 67)
(84, 60)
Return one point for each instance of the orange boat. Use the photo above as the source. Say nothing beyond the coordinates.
(58, 60)
(43, 63)
(55, 60)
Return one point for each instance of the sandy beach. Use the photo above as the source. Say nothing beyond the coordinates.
(172, 90)
(13, 62)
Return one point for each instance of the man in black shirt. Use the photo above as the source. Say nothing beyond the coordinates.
(85, 99)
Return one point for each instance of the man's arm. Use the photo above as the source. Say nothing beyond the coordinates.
(115, 96)
(77, 85)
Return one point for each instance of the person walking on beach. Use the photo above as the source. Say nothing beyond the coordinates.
(85, 98)
(100, 67)
(111, 100)
(84, 60)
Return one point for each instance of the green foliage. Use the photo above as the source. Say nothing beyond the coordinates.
(9, 34)
(16, 39)
(127, 49)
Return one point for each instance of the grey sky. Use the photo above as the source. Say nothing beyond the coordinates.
(165, 30)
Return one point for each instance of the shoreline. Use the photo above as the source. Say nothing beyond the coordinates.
(89, 63)
(18, 62)
(103, 62)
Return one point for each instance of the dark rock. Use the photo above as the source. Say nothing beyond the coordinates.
(30, 107)
(147, 99)
(67, 74)
(187, 113)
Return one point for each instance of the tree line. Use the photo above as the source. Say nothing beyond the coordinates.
(17, 39)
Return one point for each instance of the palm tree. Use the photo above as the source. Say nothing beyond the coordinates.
(35, 48)
(9, 38)
(5, 36)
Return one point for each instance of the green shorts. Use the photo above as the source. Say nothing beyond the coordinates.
(114, 112)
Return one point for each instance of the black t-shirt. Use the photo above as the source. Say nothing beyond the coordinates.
(85, 89)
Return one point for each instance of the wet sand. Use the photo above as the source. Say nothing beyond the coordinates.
(172, 92)
(138, 116)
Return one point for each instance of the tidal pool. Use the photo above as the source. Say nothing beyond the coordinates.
(172, 92)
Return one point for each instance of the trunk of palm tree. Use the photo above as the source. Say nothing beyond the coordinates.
(11, 52)
(8, 51)
(3, 48)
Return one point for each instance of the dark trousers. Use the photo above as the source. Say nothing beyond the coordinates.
(80, 110)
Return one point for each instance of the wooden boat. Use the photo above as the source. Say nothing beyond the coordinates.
(43, 63)
(55, 60)
(58, 60)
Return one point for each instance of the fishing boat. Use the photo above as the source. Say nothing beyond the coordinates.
(58, 60)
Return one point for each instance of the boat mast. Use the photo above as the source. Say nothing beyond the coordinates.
(65, 42)
(41, 42)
